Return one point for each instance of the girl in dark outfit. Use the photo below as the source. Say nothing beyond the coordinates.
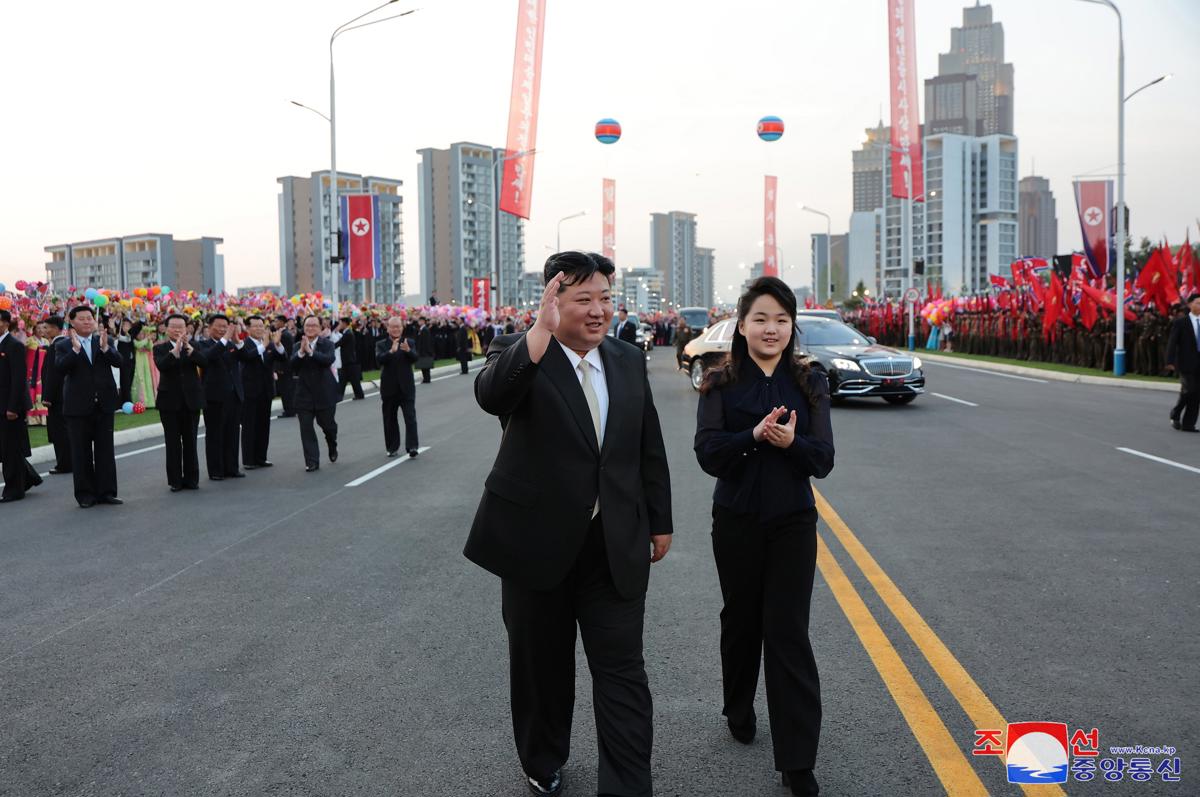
(763, 430)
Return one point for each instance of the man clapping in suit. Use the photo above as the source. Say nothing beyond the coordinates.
(397, 387)
(316, 392)
(575, 509)
(1183, 356)
(90, 398)
(223, 396)
(180, 399)
(258, 386)
(19, 475)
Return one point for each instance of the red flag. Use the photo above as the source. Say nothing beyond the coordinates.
(1155, 280)
(516, 192)
(1107, 300)
(999, 282)
(1089, 311)
(1187, 267)
(907, 172)
(360, 230)
(1093, 200)
(770, 253)
(1053, 308)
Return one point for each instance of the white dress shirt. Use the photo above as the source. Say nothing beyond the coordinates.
(599, 384)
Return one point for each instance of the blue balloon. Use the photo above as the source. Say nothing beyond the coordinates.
(165, 290)
(91, 293)
(3, 288)
(127, 408)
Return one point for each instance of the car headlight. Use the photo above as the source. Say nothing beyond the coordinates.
(844, 365)
(916, 363)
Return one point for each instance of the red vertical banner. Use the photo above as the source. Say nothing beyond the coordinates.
(1094, 200)
(609, 238)
(770, 250)
(906, 115)
(481, 293)
(516, 192)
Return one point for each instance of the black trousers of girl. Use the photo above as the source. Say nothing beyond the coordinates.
(765, 544)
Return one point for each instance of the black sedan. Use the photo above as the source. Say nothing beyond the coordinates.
(856, 365)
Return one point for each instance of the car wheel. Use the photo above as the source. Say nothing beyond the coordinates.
(899, 399)
(697, 373)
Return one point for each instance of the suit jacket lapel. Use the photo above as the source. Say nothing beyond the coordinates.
(562, 376)
(617, 382)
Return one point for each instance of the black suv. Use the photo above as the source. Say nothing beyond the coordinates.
(856, 364)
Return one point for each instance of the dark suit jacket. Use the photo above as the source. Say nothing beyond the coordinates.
(425, 342)
(288, 341)
(1181, 346)
(538, 499)
(395, 370)
(52, 377)
(180, 385)
(348, 345)
(88, 386)
(223, 373)
(316, 387)
(14, 384)
(258, 373)
(627, 331)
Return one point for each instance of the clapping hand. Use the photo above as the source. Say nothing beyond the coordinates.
(760, 431)
(276, 337)
(177, 349)
(103, 338)
(404, 345)
(76, 345)
(781, 434)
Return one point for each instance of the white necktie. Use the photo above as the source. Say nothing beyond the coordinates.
(585, 369)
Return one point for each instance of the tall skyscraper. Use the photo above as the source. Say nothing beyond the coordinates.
(972, 94)
(305, 239)
(686, 269)
(457, 208)
(1038, 224)
(138, 261)
(837, 250)
(867, 169)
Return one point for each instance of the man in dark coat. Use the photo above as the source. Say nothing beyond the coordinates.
(258, 386)
(316, 392)
(52, 394)
(462, 344)
(351, 370)
(285, 383)
(1183, 357)
(223, 397)
(425, 350)
(180, 399)
(396, 355)
(90, 398)
(19, 475)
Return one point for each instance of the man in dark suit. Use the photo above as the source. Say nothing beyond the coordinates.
(89, 400)
(180, 400)
(285, 383)
(396, 355)
(258, 386)
(425, 349)
(462, 345)
(351, 370)
(223, 397)
(316, 392)
(1183, 357)
(52, 386)
(575, 509)
(626, 329)
(19, 475)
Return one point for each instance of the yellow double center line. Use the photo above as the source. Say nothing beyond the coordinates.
(950, 763)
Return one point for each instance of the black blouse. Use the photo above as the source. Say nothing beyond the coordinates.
(756, 477)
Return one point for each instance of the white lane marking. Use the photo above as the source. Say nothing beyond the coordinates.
(1153, 458)
(384, 468)
(955, 400)
(446, 376)
(168, 579)
(990, 373)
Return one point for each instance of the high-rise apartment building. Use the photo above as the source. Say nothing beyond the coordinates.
(686, 269)
(458, 208)
(639, 290)
(138, 261)
(1038, 222)
(306, 242)
(867, 168)
(972, 94)
(837, 251)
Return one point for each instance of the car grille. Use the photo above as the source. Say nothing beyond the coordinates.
(887, 366)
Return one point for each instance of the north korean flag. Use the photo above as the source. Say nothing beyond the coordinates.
(360, 232)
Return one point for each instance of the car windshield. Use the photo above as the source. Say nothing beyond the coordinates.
(826, 332)
(696, 317)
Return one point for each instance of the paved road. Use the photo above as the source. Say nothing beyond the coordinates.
(998, 559)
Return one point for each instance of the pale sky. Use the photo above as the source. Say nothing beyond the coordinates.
(161, 116)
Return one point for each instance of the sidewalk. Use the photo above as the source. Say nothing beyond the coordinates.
(1043, 373)
(153, 431)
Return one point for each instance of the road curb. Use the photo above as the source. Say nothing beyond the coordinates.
(1056, 376)
(153, 431)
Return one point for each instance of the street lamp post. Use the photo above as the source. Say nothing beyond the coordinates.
(828, 254)
(335, 254)
(558, 237)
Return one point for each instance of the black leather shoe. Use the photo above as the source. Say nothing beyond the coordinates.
(250, 467)
(176, 488)
(333, 453)
(310, 468)
(550, 785)
(86, 504)
(10, 498)
(217, 478)
(111, 500)
(55, 471)
(412, 453)
(393, 454)
(264, 464)
(238, 475)
(1176, 425)
(743, 733)
(801, 782)
(191, 487)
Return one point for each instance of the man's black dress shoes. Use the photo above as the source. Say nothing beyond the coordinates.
(412, 453)
(743, 733)
(111, 500)
(310, 468)
(10, 498)
(550, 785)
(801, 782)
(264, 464)
(333, 453)
(176, 488)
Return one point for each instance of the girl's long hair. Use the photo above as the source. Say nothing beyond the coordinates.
(726, 373)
